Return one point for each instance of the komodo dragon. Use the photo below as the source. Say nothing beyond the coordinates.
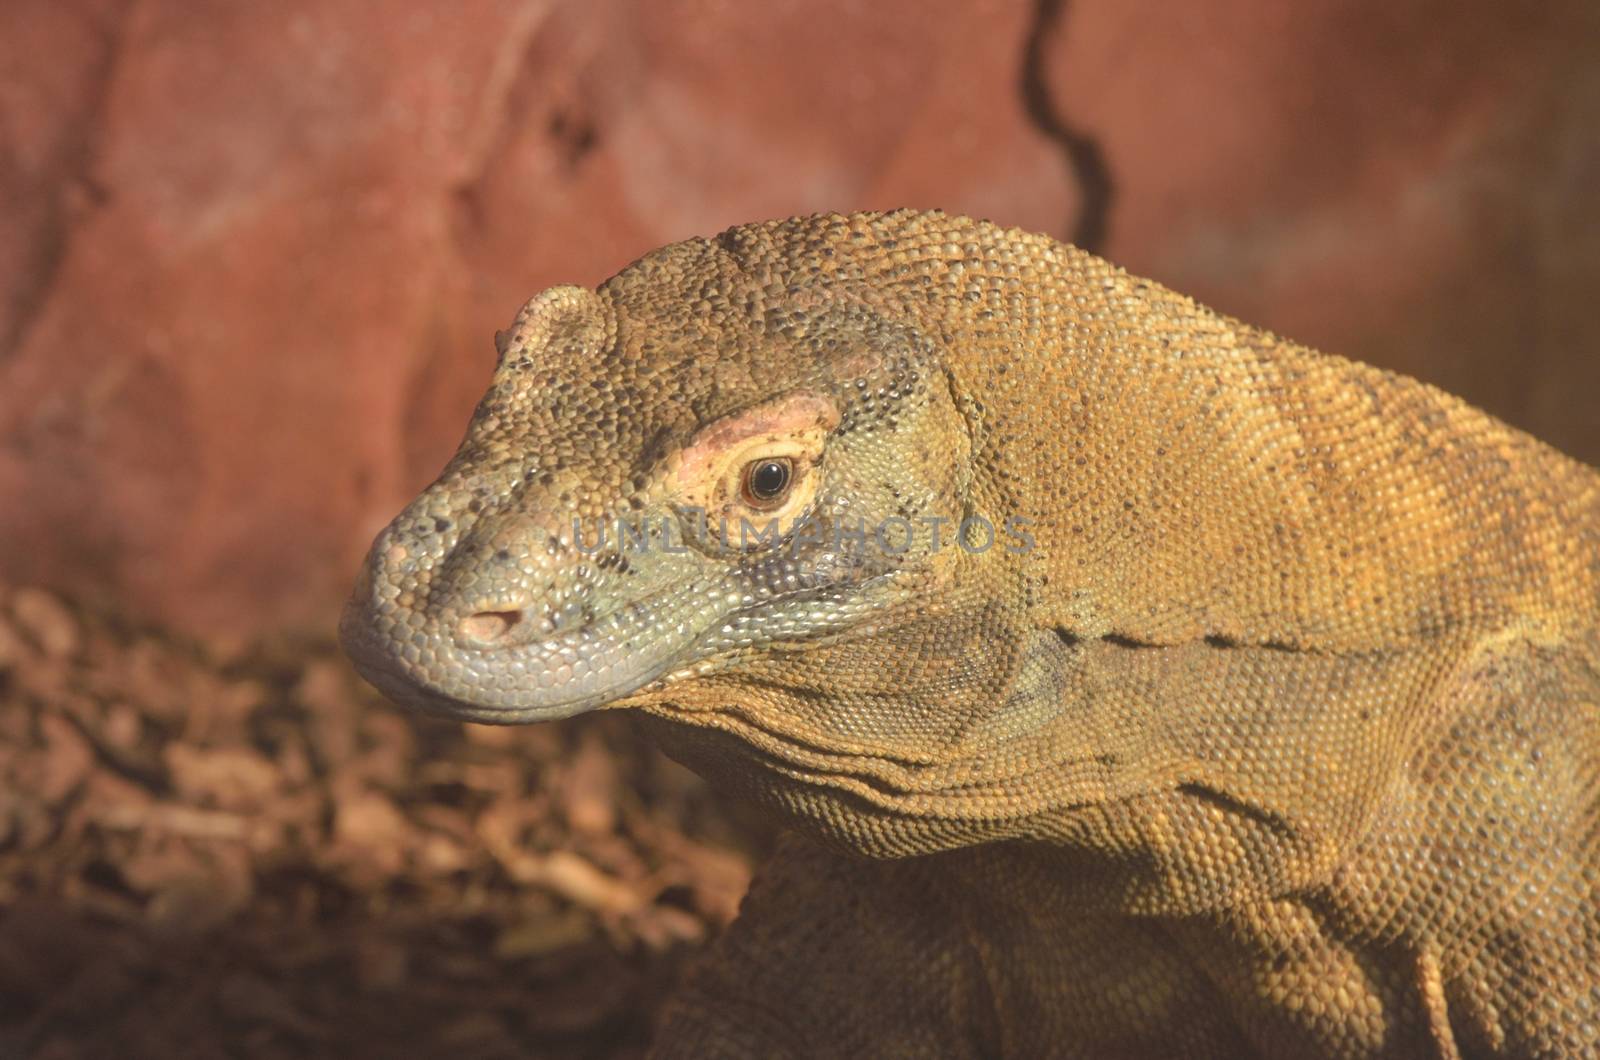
(1137, 683)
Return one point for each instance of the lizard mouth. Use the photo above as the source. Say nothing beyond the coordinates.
(501, 672)
(490, 669)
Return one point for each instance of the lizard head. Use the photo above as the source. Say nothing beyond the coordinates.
(762, 488)
(711, 461)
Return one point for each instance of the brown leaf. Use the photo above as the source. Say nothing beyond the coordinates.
(663, 926)
(589, 788)
(540, 935)
(575, 879)
(369, 828)
(45, 621)
(228, 777)
(67, 759)
(11, 647)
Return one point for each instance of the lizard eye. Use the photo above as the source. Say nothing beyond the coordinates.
(767, 481)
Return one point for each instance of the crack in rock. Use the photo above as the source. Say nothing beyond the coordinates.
(1083, 153)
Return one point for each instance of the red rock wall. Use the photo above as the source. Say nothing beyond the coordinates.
(254, 254)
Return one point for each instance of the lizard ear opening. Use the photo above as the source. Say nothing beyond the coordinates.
(567, 315)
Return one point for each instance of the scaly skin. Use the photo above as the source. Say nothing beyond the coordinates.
(1267, 725)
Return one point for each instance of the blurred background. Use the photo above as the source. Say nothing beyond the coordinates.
(252, 261)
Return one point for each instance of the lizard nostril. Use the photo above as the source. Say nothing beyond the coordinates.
(486, 627)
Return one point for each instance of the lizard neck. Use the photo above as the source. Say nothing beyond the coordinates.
(1208, 480)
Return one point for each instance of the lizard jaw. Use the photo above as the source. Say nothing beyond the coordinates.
(433, 666)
